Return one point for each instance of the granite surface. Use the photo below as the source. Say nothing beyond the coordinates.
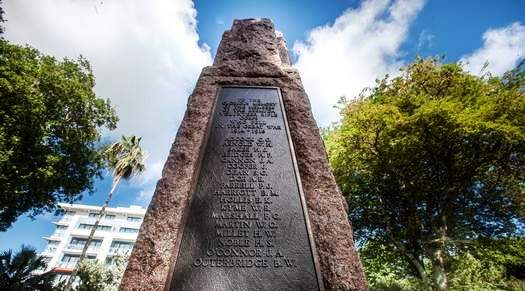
(251, 53)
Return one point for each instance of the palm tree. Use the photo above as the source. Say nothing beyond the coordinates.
(125, 158)
(20, 271)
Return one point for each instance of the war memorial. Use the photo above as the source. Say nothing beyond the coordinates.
(247, 200)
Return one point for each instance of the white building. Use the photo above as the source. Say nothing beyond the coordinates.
(116, 234)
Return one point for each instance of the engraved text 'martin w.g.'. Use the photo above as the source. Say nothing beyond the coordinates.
(246, 228)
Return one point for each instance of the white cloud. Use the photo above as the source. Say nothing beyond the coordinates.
(361, 45)
(426, 39)
(147, 182)
(502, 49)
(145, 56)
(144, 196)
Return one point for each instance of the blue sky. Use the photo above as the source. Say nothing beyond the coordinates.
(456, 26)
(147, 55)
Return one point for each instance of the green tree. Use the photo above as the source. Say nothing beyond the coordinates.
(95, 276)
(50, 122)
(117, 269)
(489, 264)
(432, 159)
(2, 20)
(126, 159)
(384, 270)
(483, 264)
(17, 272)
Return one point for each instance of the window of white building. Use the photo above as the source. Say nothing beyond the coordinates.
(123, 245)
(128, 230)
(134, 218)
(69, 261)
(109, 216)
(89, 226)
(78, 243)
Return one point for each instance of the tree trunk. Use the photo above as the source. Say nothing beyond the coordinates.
(420, 270)
(71, 279)
(414, 261)
(439, 276)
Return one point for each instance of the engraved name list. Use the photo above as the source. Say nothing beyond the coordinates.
(246, 220)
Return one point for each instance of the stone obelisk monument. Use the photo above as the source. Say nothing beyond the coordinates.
(247, 200)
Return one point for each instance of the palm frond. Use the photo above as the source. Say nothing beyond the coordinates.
(17, 271)
(125, 157)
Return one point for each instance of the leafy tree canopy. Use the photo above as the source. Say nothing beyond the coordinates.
(50, 122)
(96, 276)
(432, 158)
(485, 264)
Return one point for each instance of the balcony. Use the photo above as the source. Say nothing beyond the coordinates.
(86, 224)
(121, 251)
(50, 249)
(67, 265)
(59, 233)
(79, 247)
(66, 219)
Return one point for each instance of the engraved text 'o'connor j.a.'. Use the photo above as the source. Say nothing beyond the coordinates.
(246, 228)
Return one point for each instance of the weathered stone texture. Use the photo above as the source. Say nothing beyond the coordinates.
(249, 54)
